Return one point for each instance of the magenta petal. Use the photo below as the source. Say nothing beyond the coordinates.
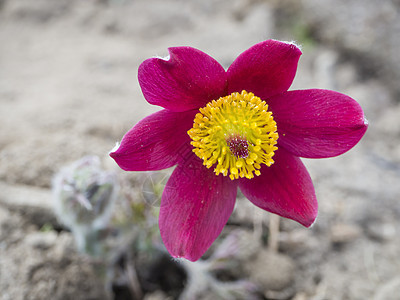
(157, 142)
(195, 206)
(317, 123)
(266, 69)
(187, 80)
(285, 188)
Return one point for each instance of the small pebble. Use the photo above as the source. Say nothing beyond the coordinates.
(271, 271)
(344, 233)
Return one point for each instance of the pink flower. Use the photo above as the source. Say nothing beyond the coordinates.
(235, 128)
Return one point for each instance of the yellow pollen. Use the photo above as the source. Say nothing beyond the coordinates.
(236, 134)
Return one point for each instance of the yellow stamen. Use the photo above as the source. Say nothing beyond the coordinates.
(235, 133)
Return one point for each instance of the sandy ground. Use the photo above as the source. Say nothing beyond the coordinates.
(68, 88)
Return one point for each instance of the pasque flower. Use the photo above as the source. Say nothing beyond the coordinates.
(229, 129)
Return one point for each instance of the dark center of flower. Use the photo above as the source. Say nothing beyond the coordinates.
(238, 146)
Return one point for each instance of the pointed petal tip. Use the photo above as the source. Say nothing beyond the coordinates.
(308, 223)
(180, 258)
(308, 220)
(293, 44)
(312, 222)
(114, 150)
(114, 154)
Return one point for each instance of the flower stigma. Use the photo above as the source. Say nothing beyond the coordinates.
(236, 133)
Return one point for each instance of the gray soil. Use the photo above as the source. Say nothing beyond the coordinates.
(68, 88)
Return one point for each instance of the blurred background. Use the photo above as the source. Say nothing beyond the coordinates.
(68, 89)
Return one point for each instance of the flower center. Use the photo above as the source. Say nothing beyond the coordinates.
(238, 146)
(235, 133)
